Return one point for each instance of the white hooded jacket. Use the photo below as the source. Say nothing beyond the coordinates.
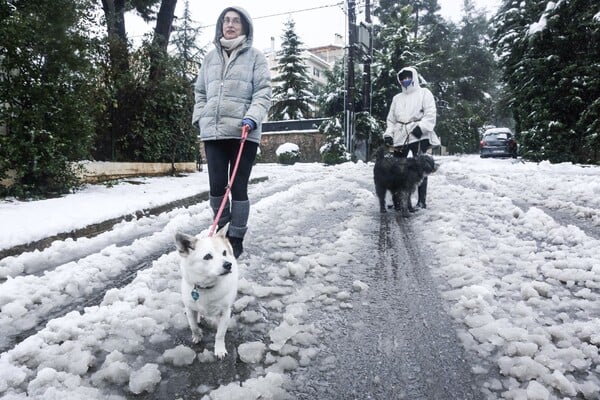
(411, 107)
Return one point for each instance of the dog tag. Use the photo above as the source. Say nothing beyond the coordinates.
(195, 295)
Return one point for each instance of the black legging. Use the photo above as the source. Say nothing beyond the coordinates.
(220, 158)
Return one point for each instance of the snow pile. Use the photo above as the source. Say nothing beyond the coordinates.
(524, 284)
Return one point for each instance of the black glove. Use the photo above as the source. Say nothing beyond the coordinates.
(388, 140)
(417, 132)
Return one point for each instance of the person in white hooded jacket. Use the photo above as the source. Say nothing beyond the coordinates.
(411, 122)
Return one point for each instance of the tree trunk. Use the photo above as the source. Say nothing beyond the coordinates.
(114, 12)
(162, 32)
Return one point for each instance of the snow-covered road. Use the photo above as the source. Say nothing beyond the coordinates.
(510, 249)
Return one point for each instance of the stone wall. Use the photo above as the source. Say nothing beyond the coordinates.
(309, 142)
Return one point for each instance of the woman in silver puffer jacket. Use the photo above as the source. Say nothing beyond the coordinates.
(233, 89)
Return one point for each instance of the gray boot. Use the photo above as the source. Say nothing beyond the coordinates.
(240, 210)
(215, 203)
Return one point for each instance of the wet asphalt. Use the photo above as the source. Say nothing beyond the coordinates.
(398, 342)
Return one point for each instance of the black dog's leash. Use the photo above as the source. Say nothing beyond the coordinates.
(404, 124)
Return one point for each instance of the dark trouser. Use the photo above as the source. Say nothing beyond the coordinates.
(416, 148)
(220, 159)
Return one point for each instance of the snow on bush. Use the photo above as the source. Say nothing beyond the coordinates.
(288, 153)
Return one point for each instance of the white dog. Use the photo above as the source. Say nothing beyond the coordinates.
(209, 282)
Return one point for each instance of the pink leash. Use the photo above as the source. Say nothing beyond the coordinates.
(245, 131)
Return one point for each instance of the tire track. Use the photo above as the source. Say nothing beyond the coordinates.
(398, 342)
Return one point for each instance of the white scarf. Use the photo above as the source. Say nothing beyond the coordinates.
(230, 46)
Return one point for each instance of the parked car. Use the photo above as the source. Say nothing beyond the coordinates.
(498, 142)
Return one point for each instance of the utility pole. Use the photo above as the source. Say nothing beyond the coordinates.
(367, 71)
(349, 108)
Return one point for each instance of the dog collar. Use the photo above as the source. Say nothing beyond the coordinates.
(196, 291)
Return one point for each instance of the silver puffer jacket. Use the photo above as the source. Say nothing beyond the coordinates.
(228, 91)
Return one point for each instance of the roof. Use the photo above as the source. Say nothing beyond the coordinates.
(497, 130)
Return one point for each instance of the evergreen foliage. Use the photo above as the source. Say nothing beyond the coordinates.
(47, 77)
(288, 154)
(67, 94)
(334, 150)
(393, 48)
(189, 54)
(550, 53)
(455, 62)
(292, 94)
(155, 110)
(468, 84)
(331, 101)
(330, 98)
(161, 129)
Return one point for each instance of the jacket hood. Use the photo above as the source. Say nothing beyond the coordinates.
(415, 83)
(246, 22)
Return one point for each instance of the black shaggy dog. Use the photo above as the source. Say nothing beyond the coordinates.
(400, 176)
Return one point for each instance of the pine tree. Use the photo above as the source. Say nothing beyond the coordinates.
(509, 42)
(393, 48)
(188, 52)
(331, 102)
(292, 94)
(468, 84)
(330, 98)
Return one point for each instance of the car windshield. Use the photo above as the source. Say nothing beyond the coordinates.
(497, 136)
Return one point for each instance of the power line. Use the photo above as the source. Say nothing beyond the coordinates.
(289, 12)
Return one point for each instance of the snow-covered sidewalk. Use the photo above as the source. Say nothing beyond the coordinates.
(25, 222)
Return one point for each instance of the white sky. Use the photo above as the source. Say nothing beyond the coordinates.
(514, 246)
(316, 25)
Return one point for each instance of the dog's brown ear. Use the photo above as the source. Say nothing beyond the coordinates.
(185, 243)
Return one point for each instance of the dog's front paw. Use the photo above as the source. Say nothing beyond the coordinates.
(220, 350)
(196, 337)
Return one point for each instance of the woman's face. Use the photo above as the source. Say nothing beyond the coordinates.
(232, 25)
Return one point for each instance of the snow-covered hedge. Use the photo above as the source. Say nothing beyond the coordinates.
(288, 153)
(334, 149)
